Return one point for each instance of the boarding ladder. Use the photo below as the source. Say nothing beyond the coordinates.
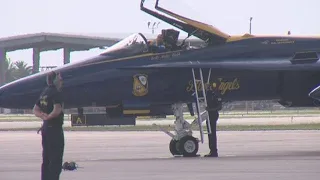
(201, 99)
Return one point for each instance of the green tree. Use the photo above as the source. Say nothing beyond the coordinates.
(21, 70)
(16, 70)
(9, 69)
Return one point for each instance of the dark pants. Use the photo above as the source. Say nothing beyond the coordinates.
(214, 116)
(52, 152)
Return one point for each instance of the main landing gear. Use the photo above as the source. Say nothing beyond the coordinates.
(183, 143)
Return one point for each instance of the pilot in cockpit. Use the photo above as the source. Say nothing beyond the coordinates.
(158, 45)
(166, 41)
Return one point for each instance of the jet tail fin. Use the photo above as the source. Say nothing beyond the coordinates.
(216, 34)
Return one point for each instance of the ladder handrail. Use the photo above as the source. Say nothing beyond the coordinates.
(198, 106)
(205, 98)
(200, 98)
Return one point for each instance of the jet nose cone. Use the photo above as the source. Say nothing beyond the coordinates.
(315, 93)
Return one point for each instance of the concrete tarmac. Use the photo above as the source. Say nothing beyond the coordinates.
(281, 155)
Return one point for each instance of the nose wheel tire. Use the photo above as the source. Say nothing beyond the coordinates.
(187, 146)
(174, 148)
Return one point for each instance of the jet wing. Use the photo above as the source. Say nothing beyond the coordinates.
(258, 65)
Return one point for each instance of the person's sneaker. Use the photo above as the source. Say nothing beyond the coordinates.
(211, 154)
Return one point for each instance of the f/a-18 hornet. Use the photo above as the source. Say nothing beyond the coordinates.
(136, 78)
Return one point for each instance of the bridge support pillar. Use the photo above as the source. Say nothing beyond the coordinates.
(36, 60)
(66, 55)
(2, 66)
(2, 70)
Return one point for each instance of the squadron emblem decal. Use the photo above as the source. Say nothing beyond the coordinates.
(140, 85)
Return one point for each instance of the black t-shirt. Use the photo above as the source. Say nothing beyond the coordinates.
(214, 102)
(46, 101)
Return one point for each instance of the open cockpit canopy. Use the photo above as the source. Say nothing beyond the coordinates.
(131, 45)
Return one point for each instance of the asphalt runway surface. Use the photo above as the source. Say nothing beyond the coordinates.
(285, 155)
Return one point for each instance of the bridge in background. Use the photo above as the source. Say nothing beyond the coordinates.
(40, 42)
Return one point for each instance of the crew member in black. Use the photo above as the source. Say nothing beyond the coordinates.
(213, 108)
(49, 107)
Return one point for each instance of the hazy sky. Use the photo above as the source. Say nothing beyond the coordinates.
(124, 16)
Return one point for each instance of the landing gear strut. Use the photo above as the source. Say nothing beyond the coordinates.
(182, 143)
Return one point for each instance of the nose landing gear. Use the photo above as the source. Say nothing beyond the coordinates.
(182, 143)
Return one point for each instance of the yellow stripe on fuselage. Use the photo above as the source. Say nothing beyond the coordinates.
(129, 57)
